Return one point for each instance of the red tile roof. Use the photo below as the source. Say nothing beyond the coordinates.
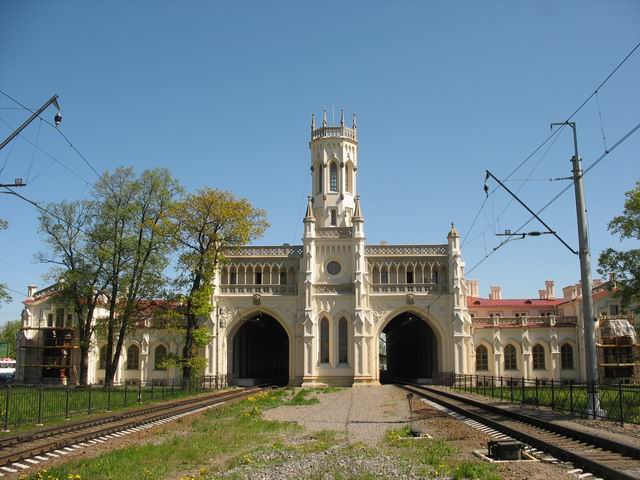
(523, 303)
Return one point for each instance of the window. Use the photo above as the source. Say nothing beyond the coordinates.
(133, 357)
(334, 217)
(283, 278)
(384, 275)
(409, 276)
(60, 317)
(434, 276)
(324, 341)
(69, 320)
(520, 314)
(343, 337)
(482, 358)
(102, 359)
(613, 310)
(538, 357)
(333, 177)
(333, 267)
(160, 355)
(566, 356)
(258, 277)
(495, 315)
(320, 170)
(50, 320)
(510, 358)
(233, 277)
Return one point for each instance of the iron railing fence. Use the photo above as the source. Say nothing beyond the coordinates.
(620, 403)
(36, 404)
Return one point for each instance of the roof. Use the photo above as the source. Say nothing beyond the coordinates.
(513, 302)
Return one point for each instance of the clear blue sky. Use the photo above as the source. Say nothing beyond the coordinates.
(222, 93)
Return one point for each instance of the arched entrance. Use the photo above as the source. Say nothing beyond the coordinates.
(260, 352)
(408, 349)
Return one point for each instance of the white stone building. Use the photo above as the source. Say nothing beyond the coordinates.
(336, 310)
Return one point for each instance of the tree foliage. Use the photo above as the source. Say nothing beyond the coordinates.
(204, 223)
(623, 266)
(8, 334)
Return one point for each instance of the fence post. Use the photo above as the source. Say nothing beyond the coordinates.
(66, 402)
(537, 399)
(484, 384)
(511, 386)
(152, 389)
(109, 397)
(553, 396)
(571, 396)
(125, 393)
(523, 391)
(501, 384)
(39, 405)
(6, 408)
(89, 406)
(173, 386)
(163, 390)
(493, 386)
(620, 399)
(593, 398)
(140, 391)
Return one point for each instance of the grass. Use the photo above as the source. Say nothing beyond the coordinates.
(28, 406)
(616, 402)
(237, 441)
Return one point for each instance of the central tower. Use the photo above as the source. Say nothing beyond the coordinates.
(334, 167)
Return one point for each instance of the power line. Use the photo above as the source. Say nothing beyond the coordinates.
(555, 132)
(556, 197)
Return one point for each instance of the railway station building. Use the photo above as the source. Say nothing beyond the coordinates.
(336, 310)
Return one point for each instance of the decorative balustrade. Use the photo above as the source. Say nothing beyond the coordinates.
(273, 251)
(261, 289)
(334, 232)
(518, 322)
(341, 289)
(390, 288)
(392, 250)
(338, 132)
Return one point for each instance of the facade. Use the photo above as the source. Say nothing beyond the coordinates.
(334, 309)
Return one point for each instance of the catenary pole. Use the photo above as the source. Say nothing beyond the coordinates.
(585, 274)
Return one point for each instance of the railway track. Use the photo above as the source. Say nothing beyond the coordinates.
(599, 456)
(19, 452)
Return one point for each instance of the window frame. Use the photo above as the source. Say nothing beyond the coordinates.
(513, 360)
(324, 350)
(137, 357)
(155, 357)
(538, 355)
(563, 356)
(484, 358)
(333, 178)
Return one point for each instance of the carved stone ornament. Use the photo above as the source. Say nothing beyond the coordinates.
(257, 300)
(411, 299)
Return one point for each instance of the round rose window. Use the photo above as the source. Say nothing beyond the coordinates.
(333, 268)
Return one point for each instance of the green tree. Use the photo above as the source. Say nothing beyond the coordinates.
(8, 334)
(623, 266)
(71, 233)
(134, 228)
(204, 223)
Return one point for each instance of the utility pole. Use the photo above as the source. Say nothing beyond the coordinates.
(57, 120)
(588, 317)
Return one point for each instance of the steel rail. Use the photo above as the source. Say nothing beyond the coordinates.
(54, 438)
(560, 441)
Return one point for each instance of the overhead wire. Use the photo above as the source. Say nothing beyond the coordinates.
(557, 131)
(35, 150)
(556, 197)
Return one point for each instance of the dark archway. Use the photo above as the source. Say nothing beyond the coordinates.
(408, 349)
(260, 351)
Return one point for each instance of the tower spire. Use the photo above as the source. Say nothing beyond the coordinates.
(354, 123)
(341, 117)
(313, 122)
(324, 118)
(357, 214)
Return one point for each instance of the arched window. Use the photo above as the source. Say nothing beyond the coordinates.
(133, 357)
(384, 275)
(160, 355)
(343, 338)
(320, 168)
(538, 357)
(333, 177)
(482, 358)
(566, 356)
(102, 359)
(324, 341)
(510, 358)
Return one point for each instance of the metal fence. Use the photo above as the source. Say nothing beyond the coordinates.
(24, 404)
(620, 402)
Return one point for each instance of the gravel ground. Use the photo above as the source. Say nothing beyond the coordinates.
(363, 413)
